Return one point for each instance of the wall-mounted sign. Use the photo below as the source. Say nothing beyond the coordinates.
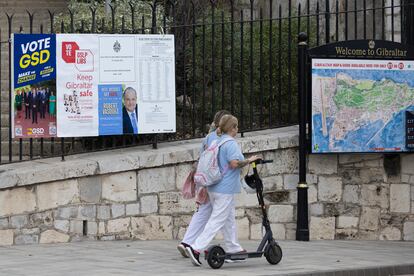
(360, 105)
(101, 84)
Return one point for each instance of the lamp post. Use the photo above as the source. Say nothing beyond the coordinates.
(302, 224)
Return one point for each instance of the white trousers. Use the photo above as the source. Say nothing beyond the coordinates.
(223, 217)
(198, 221)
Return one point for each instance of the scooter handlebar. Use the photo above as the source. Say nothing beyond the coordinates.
(263, 161)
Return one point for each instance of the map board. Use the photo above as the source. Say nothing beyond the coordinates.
(360, 105)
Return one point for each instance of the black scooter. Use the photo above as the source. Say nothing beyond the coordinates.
(216, 255)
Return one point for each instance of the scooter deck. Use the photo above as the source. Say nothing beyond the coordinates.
(244, 255)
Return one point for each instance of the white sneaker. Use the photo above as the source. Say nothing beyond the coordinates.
(181, 249)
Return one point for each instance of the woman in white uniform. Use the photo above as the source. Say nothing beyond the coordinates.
(221, 195)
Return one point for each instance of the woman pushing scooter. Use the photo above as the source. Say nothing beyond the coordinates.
(221, 195)
(200, 218)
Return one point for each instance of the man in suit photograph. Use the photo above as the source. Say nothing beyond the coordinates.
(129, 111)
(28, 101)
(35, 105)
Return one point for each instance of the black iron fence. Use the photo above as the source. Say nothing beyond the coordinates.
(242, 59)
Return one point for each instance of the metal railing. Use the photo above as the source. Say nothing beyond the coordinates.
(225, 59)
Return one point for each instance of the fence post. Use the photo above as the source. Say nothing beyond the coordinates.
(302, 224)
(408, 23)
(327, 22)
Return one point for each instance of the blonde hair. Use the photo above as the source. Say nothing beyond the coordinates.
(227, 123)
(216, 121)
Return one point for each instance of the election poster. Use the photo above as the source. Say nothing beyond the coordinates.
(77, 85)
(95, 85)
(124, 84)
(33, 86)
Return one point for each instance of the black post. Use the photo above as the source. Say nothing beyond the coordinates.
(302, 224)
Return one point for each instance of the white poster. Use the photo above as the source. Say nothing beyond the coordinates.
(115, 84)
(156, 78)
(77, 82)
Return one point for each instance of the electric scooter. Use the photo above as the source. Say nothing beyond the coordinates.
(268, 247)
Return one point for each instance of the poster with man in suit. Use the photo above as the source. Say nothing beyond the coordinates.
(130, 111)
(33, 71)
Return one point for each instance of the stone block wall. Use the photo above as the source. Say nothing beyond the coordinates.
(135, 194)
(358, 199)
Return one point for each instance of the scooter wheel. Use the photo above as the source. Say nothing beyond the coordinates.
(273, 253)
(215, 257)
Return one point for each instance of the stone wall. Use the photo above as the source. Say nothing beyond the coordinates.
(135, 194)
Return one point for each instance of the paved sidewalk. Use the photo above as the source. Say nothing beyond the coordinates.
(161, 258)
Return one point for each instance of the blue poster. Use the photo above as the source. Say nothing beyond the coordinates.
(110, 109)
(34, 58)
(34, 85)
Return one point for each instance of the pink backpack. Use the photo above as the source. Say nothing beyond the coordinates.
(208, 171)
(188, 190)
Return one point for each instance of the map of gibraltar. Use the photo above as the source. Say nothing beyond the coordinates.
(360, 110)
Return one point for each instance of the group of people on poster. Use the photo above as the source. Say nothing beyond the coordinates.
(34, 103)
(31, 101)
